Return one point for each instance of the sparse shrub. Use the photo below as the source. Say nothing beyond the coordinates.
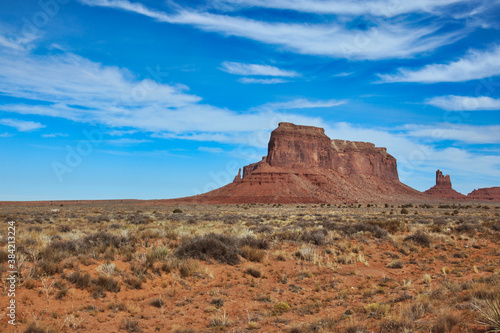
(404, 211)
(62, 292)
(446, 270)
(134, 282)
(177, 211)
(445, 323)
(252, 254)
(396, 264)
(139, 219)
(211, 246)
(157, 302)
(34, 327)
(64, 228)
(256, 273)
(377, 310)
(48, 267)
(189, 267)
(131, 326)
(280, 308)
(427, 279)
(469, 227)
(356, 329)
(218, 302)
(98, 219)
(102, 240)
(316, 237)
(81, 281)
(419, 237)
(107, 283)
(258, 243)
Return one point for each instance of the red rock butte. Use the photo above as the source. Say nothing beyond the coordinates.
(443, 188)
(303, 165)
(489, 194)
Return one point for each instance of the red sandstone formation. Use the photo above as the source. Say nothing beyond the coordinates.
(304, 166)
(443, 189)
(489, 193)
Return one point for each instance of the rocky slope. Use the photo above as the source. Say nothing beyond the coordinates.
(489, 193)
(304, 166)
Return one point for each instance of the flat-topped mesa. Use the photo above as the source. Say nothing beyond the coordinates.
(304, 166)
(307, 147)
(443, 188)
(296, 146)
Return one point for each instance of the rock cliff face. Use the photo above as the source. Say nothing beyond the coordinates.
(304, 166)
(489, 193)
(443, 188)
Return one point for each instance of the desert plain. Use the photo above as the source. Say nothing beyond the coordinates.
(144, 266)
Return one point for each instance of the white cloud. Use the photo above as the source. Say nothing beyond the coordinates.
(19, 42)
(385, 8)
(238, 68)
(464, 103)
(78, 89)
(54, 135)
(21, 125)
(250, 80)
(343, 74)
(474, 65)
(387, 40)
(212, 150)
(6, 135)
(302, 104)
(127, 141)
(121, 133)
(460, 133)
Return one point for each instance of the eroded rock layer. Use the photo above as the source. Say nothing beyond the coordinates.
(304, 166)
(443, 188)
(489, 193)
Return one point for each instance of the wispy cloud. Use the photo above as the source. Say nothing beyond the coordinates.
(21, 125)
(343, 74)
(461, 133)
(474, 65)
(261, 81)
(302, 104)
(238, 68)
(127, 141)
(81, 90)
(212, 150)
(465, 103)
(54, 135)
(6, 135)
(121, 132)
(386, 8)
(386, 40)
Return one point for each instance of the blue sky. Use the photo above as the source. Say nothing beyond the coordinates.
(115, 99)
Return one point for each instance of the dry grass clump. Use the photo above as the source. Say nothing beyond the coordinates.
(255, 272)
(420, 238)
(445, 323)
(218, 247)
(34, 327)
(253, 254)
